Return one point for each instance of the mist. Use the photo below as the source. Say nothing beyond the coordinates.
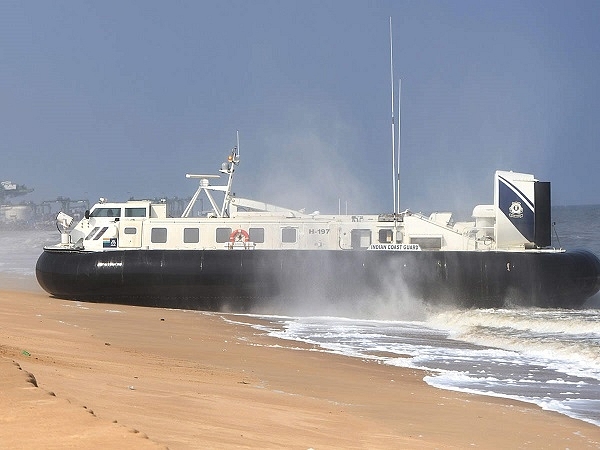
(305, 164)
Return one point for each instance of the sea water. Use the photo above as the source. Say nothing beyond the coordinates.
(549, 357)
(20, 249)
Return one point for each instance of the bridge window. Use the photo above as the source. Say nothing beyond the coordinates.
(135, 212)
(223, 234)
(191, 235)
(106, 212)
(158, 235)
(288, 235)
(257, 235)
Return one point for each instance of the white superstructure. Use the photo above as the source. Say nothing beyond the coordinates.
(241, 224)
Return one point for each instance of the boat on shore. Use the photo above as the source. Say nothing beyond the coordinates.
(244, 253)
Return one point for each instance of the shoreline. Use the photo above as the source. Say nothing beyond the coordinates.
(157, 378)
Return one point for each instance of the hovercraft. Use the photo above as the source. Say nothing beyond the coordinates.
(244, 252)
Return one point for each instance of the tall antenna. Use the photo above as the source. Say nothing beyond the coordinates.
(393, 127)
(399, 141)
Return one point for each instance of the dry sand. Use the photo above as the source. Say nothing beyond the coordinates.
(111, 376)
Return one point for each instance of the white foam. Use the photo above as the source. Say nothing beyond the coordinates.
(563, 340)
(456, 382)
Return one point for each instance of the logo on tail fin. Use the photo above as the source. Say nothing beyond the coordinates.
(515, 211)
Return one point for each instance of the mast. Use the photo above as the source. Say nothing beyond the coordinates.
(399, 140)
(393, 126)
(229, 168)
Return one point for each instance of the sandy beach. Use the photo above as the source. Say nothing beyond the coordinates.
(90, 375)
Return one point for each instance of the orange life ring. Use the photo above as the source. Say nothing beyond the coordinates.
(238, 235)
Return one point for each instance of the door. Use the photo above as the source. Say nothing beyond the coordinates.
(130, 233)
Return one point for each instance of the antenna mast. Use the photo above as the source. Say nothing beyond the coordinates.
(393, 126)
(228, 168)
(399, 140)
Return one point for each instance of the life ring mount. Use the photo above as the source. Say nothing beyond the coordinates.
(239, 235)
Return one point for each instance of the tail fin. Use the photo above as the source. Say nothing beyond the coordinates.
(523, 215)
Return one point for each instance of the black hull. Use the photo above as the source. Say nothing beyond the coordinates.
(208, 279)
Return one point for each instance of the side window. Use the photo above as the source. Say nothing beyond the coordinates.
(360, 238)
(385, 236)
(257, 235)
(158, 235)
(288, 235)
(191, 235)
(222, 234)
(130, 230)
(427, 242)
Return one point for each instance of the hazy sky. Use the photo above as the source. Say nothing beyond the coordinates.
(122, 98)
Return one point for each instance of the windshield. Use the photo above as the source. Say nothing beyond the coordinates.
(106, 212)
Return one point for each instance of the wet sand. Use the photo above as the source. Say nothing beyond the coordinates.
(90, 375)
